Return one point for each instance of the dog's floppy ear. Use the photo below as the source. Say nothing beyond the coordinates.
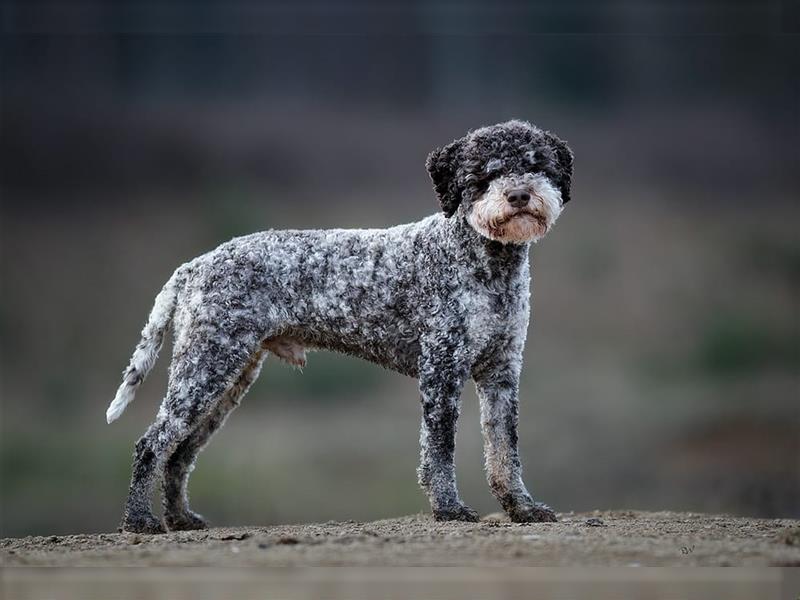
(442, 165)
(564, 158)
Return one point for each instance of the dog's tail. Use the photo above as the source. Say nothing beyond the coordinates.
(146, 353)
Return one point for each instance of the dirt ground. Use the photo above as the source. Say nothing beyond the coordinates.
(618, 538)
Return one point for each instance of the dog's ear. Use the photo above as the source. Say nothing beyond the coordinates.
(442, 165)
(564, 158)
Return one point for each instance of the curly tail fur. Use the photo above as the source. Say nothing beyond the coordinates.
(146, 353)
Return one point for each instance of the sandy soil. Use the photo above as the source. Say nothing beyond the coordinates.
(599, 538)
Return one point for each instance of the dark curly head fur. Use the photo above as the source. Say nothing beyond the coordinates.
(509, 181)
(462, 170)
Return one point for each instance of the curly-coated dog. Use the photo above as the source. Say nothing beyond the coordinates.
(444, 299)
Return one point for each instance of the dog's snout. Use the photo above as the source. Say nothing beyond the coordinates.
(518, 198)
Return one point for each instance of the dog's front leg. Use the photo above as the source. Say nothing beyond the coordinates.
(498, 390)
(440, 389)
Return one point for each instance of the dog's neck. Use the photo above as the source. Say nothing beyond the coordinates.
(490, 259)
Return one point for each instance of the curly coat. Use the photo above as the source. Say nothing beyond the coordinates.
(439, 300)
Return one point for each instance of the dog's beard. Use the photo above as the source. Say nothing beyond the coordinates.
(493, 217)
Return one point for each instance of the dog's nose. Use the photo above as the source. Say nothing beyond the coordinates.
(518, 198)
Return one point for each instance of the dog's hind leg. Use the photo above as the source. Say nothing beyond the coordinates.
(202, 371)
(177, 514)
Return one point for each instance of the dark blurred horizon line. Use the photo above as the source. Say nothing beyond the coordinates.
(622, 17)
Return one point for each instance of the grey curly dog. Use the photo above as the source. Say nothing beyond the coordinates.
(444, 299)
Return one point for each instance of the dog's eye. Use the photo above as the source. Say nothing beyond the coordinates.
(530, 156)
(494, 165)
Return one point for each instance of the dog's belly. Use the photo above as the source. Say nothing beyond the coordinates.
(396, 354)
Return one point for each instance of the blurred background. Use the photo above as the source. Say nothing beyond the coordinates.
(663, 359)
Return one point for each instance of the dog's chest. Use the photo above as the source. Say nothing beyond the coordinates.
(496, 312)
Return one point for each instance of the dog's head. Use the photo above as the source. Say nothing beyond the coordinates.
(509, 181)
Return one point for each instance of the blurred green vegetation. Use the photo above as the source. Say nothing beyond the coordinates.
(779, 257)
(228, 211)
(328, 376)
(736, 345)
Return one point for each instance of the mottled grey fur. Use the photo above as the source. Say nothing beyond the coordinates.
(435, 299)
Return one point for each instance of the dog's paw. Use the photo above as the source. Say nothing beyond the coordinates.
(185, 521)
(535, 513)
(456, 513)
(144, 524)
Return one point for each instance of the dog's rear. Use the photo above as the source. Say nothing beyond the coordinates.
(146, 353)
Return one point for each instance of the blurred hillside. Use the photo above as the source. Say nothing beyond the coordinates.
(663, 360)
